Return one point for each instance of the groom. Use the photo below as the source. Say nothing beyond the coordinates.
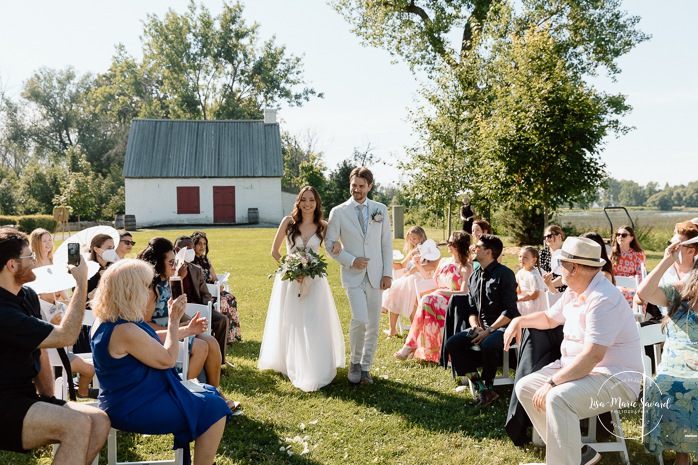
(363, 227)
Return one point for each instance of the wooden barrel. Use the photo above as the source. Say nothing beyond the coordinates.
(253, 215)
(130, 222)
(119, 221)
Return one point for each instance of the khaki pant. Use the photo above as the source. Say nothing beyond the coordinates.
(565, 405)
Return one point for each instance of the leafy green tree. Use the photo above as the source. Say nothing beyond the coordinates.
(303, 164)
(573, 39)
(661, 200)
(631, 194)
(8, 192)
(207, 67)
(39, 183)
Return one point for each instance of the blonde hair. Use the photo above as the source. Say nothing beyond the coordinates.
(417, 231)
(123, 291)
(36, 246)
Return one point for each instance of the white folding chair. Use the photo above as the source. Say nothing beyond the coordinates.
(631, 282)
(650, 335)
(204, 310)
(215, 291)
(617, 445)
(503, 380)
(551, 298)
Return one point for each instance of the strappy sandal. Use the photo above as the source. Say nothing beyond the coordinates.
(234, 406)
(400, 355)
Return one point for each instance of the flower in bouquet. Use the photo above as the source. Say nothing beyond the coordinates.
(301, 263)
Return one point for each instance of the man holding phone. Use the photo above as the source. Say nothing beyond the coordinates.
(27, 419)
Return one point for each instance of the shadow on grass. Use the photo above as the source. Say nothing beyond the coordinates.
(246, 440)
(429, 408)
(248, 349)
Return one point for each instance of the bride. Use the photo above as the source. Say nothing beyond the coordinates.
(303, 338)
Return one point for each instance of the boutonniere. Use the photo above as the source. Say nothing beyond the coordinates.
(376, 216)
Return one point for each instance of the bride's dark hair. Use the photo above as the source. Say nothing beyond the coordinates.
(297, 216)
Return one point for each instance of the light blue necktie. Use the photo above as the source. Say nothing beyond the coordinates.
(360, 216)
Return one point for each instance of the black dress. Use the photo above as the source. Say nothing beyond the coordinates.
(466, 211)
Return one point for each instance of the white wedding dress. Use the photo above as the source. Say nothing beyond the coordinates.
(303, 337)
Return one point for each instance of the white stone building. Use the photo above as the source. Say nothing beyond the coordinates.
(204, 172)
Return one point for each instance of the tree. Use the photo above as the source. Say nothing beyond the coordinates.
(574, 39)
(207, 67)
(303, 165)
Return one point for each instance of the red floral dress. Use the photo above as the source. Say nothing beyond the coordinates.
(629, 264)
(425, 331)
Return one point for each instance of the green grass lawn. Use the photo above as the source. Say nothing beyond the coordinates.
(411, 415)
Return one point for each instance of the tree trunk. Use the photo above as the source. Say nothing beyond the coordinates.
(448, 214)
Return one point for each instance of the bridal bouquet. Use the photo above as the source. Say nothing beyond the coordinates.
(301, 263)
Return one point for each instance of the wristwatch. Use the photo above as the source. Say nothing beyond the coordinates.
(551, 382)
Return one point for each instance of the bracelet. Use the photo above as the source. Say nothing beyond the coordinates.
(551, 382)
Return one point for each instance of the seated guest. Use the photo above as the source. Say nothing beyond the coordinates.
(400, 300)
(530, 288)
(481, 227)
(673, 426)
(229, 304)
(41, 244)
(424, 340)
(627, 258)
(29, 419)
(489, 307)
(99, 245)
(607, 268)
(553, 237)
(141, 391)
(600, 355)
(681, 268)
(197, 292)
(53, 312)
(204, 348)
(126, 244)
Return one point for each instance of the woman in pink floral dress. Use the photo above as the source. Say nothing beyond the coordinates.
(627, 257)
(424, 339)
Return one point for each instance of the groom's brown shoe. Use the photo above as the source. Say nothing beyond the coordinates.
(354, 374)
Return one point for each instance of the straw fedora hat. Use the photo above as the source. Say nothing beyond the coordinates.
(582, 251)
(429, 251)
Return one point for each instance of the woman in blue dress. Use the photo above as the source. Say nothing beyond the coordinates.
(671, 409)
(141, 391)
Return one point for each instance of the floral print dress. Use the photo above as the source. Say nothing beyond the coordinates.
(671, 406)
(425, 331)
(229, 304)
(630, 263)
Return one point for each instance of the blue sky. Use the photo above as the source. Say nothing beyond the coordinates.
(367, 96)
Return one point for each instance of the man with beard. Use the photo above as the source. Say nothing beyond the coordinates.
(27, 419)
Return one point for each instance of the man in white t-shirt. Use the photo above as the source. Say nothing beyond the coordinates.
(601, 363)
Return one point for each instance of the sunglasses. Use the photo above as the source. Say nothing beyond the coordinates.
(623, 235)
(131, 243)
(550, 236)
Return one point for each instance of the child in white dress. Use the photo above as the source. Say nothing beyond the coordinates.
(531, 287)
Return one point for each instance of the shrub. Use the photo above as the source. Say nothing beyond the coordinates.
(31, 222)
(7, 220)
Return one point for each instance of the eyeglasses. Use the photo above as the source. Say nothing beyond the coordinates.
(550, 236)
(623, 235)
(171, 262)
(131, 243)
(30, 256)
